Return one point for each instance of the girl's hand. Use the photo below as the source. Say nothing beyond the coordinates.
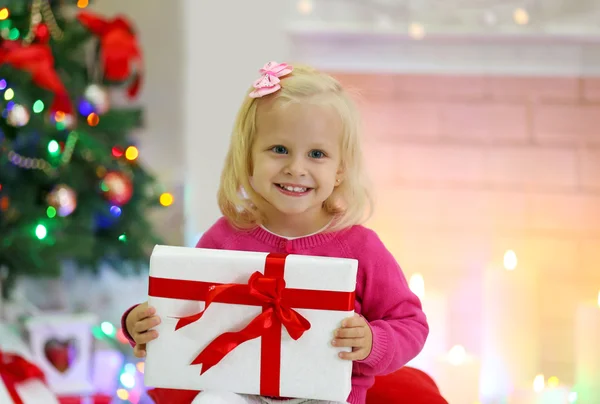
(139, 325)
(356, 334)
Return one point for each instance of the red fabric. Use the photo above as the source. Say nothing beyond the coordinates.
(407, 385)
(119, 47)
(171, 396)
(37, 59)
(97, 399)
(14, 370)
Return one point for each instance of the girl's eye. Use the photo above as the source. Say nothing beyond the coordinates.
(279, 150)
(316, 154)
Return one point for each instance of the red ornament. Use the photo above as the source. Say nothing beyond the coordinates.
(42, 33)
(117, 187)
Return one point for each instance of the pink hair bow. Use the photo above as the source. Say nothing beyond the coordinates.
(268, 83)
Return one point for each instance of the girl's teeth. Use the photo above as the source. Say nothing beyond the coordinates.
(294, 189)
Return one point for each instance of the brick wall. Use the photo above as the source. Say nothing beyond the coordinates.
(465, 168)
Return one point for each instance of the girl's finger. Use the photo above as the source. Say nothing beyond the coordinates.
(355, 321)
(356, 332)
(139, 351)
(147, 324)
(357, 355)
(348, 342)
(146, 337)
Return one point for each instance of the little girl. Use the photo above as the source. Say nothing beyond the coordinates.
(293, 183)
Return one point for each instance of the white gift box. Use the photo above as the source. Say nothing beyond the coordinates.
(30, 392)
(320, 289)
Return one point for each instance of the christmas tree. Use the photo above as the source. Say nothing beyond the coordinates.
(71, 186)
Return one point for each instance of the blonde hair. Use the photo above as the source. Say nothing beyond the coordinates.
(350, 203)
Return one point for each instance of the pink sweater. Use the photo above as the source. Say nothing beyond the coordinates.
(382, 295)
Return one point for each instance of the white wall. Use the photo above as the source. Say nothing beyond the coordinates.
(227, 41)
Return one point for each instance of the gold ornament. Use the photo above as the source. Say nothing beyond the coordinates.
(42, 11)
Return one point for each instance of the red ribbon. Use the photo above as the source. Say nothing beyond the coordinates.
(118, 46)
(37, 60)
(270, 292)
(15, 370)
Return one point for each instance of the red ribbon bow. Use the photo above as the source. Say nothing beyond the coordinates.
(37, 60)
(118, 46)
(267, 291)
(270, 292)
(15, 370)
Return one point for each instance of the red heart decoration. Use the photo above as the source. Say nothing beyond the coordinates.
(61, 353)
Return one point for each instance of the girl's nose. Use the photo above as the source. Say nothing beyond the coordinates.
(295, 167)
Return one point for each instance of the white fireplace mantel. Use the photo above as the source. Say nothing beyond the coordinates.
(361, 47)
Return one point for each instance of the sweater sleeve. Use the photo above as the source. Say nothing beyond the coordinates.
(208, 240)
(124, 325)
(392, 310)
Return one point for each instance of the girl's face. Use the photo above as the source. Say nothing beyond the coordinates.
(296, 161)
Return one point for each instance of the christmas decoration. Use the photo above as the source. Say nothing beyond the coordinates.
(57, 135)
(38, 60)
(42, 33)
(18, 116)
(119, 48)
(60, 354)
(42, 11)
(4, 203)
(61, 345)
(166, 199)
(108, 217)
(63, 199)
(21, 381)
(117, 188)
(62, 120)
(97, 96)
